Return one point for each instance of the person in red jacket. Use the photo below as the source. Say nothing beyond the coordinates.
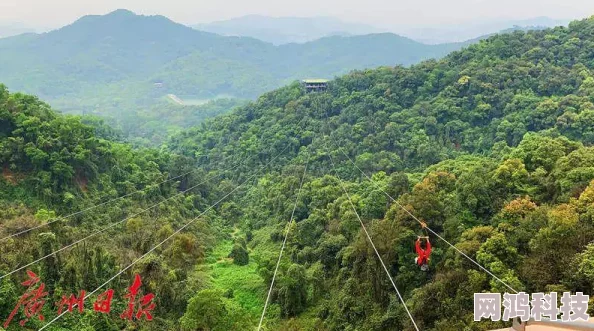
(422, 258)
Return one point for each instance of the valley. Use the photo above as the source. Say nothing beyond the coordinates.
(121, 63)
(201, 165)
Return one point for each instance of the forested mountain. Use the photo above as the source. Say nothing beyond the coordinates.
(491, 146)
(52, 165)
(122, 59)
(284, 30)
(152, 125)
(461, 31)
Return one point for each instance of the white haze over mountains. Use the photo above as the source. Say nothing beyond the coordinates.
(13, 29)
(381, 13)
(293, 29)
(435, 34)
(431, 21)
(283, 30)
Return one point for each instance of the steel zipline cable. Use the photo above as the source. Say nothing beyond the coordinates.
(95, 206)
(363, 225)
(370, 240)
(129, 217)
(280, 255)
(171, 236)
(106, 228)
(421, 223)
(428, 228)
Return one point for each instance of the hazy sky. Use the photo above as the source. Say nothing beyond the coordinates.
(384, 13)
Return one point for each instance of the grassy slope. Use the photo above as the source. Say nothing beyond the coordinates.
(249, 290)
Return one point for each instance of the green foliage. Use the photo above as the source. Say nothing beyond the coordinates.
(53, 166)
(151, 125)
(491, 146)
(206, 311)
(291, 291)
(239, 254)
(484, 145)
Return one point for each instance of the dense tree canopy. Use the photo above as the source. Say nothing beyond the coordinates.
(53, 166)
(491, 146)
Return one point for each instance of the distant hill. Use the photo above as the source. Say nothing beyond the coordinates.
(284, 30)
(460, 32)
(13, 29)
(505, 31)
(122, 59)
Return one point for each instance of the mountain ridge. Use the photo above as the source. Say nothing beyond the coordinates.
(284, 30)
(105, 52)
